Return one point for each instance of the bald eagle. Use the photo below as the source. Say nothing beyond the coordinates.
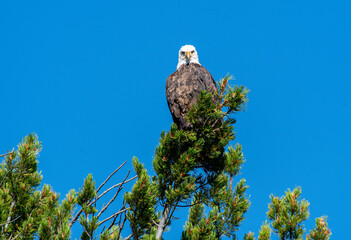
(185, 84)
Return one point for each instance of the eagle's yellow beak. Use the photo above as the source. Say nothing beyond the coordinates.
(188, 55)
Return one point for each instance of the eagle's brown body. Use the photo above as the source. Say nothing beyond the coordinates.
(183, 88)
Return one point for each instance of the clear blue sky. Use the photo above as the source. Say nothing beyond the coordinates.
(89, 78)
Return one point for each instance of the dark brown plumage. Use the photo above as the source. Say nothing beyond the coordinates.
(183, 88)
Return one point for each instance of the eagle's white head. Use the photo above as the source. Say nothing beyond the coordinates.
(187, 54)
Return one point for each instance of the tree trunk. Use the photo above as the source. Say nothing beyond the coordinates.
(9, 217)
(163, 222)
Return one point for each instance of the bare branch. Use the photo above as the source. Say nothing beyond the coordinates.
(121, 227)
(102, 230)
(114, 197)
(80, 211)
(87, 232)
(5, 177)
(10, 221)
(3, 155)
(102, 184)
(113, 215)
(129, 236)
(114, 220)
(114, 186)
(75, 218)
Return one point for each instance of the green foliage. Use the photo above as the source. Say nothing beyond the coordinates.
(265, 232)
(234, 99)
(249, 236)
(194, 168)
(321, 230)
(85, 196)
(194, 163)
(26, 211)
(182, 157)
(55, 222)
(173, 163)
(87, 193)
(229, 204)
(288, 213)
(151, 235)
(111, 234)
(141, 201)
(234, 158)
(199, 226)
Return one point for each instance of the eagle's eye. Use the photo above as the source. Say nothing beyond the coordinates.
(182, 53)
(192, 52)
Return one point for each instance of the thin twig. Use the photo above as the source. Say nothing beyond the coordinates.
(114, 220)
(80, 211)
(114, 231)
(223, 103)
(10, 221)
(102, 230)
(215, 122)
(110, 233)
(15, 236)
(119, 222)
(231, 183)
(170, 216)
(107, 180)
(113, 215)
(114, 186)
(130, 235)
(102, 184)
(3, 155)
(121, 227)
(189, 205)
(5, 177)
(86, 231)
(75, 218)
(114, 197)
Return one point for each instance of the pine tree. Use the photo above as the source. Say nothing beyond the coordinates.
(26, 211)
(194, 168)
